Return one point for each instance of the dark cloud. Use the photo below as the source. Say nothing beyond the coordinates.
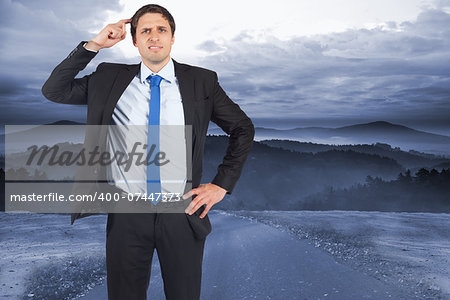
(9, 87)
(393, 71)
(210, 46)
(37, 32)
(34, 37)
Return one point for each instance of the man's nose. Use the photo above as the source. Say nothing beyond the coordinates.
(154, 37)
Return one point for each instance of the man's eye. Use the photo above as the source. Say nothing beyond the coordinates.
(145, 31)
(162, 29)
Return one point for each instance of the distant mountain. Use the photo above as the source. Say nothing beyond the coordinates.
(411, 159)
(275, 178)
(22, 136)
(375, 127)
(31, 129)
(282, 179)
(375, 132)
(381, 129)
(65, 122)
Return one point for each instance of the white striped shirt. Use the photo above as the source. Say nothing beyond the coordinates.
(131, 116)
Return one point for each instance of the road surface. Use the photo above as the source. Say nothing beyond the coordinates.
(250, 260)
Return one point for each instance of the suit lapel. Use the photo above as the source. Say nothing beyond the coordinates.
(187, 91)
(186, 83)
(121, 82)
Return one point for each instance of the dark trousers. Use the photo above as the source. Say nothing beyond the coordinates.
(130, 242)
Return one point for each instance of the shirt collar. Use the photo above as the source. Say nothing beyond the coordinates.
(167, 72)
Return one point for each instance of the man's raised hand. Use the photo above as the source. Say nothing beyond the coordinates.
(108, 36)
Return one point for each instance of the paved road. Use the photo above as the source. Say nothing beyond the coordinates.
(249, 260)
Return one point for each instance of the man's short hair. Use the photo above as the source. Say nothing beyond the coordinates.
(154, 9)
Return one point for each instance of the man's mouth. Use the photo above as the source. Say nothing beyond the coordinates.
(154, 47)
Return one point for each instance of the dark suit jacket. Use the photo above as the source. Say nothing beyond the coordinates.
(203, 101)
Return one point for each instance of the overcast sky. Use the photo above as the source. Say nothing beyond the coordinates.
(337, 61)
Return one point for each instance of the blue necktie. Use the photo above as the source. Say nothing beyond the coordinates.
(153, 172)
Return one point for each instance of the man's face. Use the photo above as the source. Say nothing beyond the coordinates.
(154, 39)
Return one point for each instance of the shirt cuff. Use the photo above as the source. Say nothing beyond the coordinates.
(89, 49)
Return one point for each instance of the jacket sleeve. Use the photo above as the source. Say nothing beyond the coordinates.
(61, 86)
(229, 116)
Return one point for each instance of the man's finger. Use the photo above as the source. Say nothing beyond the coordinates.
(190, 193)
(113, 33)
(191, 205)
(117, 33)
(125, 21)
(187, 195)
(205, 211)
(195, 204)
(201, 201)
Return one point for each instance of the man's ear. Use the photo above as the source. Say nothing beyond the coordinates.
(134, 41)
(173, 39)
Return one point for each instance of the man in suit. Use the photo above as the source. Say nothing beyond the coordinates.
(178, 237)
